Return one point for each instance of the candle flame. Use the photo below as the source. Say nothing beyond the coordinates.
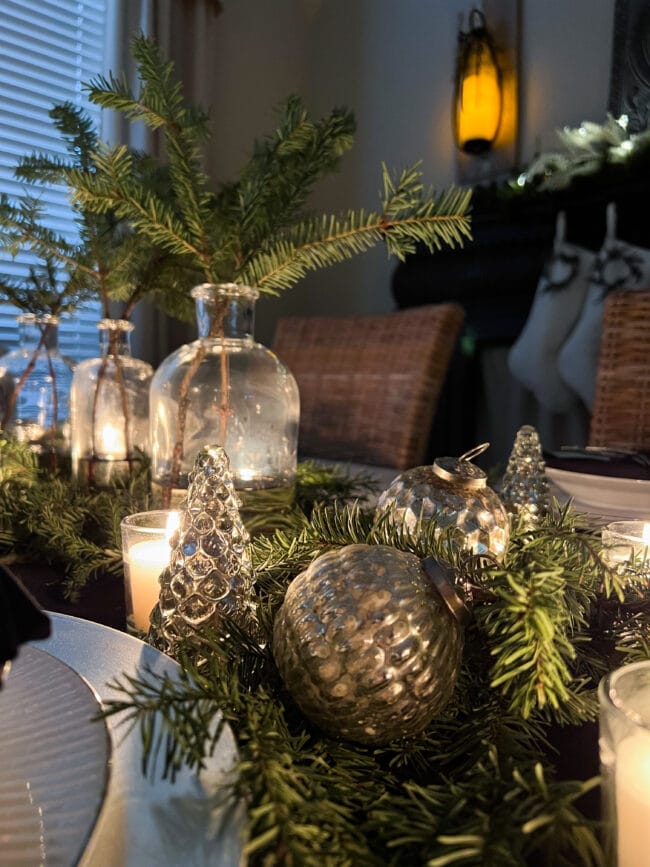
(173, 520)
(111, 444)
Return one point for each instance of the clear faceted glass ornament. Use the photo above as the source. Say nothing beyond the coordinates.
(226, 389)
(35, 388)
(454, 493)
(109, 410)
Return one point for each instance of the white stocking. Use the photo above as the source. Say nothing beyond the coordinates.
(558, 300)
(618, 266)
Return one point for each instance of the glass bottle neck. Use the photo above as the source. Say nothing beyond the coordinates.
(115, 336)
(34, 330)
(225, 310)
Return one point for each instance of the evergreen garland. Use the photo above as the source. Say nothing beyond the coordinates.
(49, 519)
(478, 787)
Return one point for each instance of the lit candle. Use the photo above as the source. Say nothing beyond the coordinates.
(633, 800)
(624, 740)
(626, 540)
(111, 443)
(146, 553)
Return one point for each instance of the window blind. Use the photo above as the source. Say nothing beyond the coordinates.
(48, 50)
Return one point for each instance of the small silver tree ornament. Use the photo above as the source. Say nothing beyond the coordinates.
(209, 580)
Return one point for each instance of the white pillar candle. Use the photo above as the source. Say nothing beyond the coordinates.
(145, 561)
(146, 552)
(633, 800)
(626, 540)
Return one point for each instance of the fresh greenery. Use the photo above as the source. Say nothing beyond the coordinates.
(252, 230)
(479, 786)
(108, 261)
(42, 292)
(76, 530)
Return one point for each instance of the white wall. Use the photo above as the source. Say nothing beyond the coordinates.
(392, 64)
(566, 54)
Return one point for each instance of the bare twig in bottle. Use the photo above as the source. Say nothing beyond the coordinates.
(216, 330)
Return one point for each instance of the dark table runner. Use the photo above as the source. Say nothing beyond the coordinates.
(101, 600)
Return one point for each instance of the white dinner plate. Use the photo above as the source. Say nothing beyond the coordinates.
(147, 821)
(604, 496)
(54, 756)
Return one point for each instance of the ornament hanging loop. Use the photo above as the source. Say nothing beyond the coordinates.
(461, 471)
(475, 452)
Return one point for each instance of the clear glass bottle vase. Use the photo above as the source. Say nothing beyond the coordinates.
(109, 410)
(225, 389)
(35, 388)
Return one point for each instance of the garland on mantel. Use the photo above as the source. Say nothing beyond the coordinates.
(478, 787)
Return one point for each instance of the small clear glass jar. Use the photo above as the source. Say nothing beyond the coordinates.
(35, 383)
(225, 389)
(109, 410)
(624, 745)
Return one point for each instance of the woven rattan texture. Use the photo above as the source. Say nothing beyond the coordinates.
(621, 410)
(369, 385)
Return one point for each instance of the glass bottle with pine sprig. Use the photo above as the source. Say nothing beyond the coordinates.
(109, 410)
(225, 388)
(35, 383)
(111, 265)
(251, 232)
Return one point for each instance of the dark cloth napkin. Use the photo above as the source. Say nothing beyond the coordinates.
(21, 619)
(600, 463)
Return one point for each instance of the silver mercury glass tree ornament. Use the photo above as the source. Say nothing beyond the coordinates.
(524, 489)
(209, 579)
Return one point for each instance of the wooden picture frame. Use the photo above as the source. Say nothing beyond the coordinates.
(629, 85)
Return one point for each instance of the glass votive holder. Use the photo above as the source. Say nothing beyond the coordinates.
(146, 552)
(624, 739)
(626, 545)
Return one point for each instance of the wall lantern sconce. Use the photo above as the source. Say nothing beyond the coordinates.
(478, 100)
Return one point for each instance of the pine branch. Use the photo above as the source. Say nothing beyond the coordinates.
(278, 178)
(160, 105)
(251, 230)
(115, 187)
(108, 262)
(477, 787)
(405, 221)
(543, 598)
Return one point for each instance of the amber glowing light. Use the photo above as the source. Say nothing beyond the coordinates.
(478, 104)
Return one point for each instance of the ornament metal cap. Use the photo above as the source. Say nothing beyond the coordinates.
(435, 570)
(461, 470)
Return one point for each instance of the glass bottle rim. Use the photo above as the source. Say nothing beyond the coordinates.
(115, 325)
(208, 291)
(611, 698)
(37, 319)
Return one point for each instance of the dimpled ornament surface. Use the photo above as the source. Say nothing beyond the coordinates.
(209, 576)
(365, 644)
(454, 492)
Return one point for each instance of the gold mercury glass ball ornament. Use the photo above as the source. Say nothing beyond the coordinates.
(453, 492)
(369, 640)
